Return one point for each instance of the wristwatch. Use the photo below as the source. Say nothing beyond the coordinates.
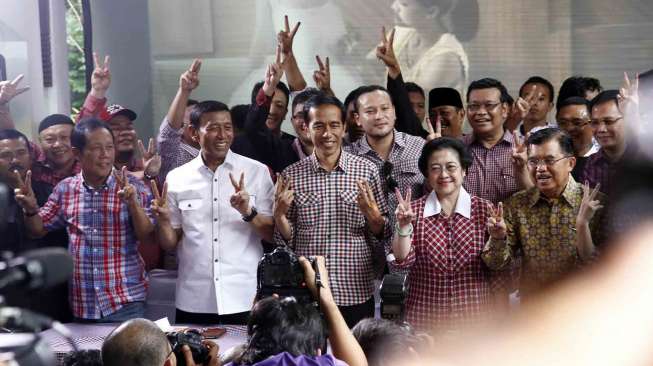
(251, 216)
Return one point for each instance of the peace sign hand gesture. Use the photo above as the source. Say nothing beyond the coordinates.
(285, 38)
(628, 100)
(24, 194)
(385, 52)
(496, 225)
(101, 77)
(273, 74)
(10, 89)
(434, 134)
(190, 79)
(589, 205)
(322, 77)
(283, 196)
(127, 192)
(159, 206)
(240, 199)
(519, 152)
(151, 160)
(404, 213)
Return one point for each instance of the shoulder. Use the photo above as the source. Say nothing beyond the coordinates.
(240, 160)
(358, 161)
(298, 166)
(520, 199)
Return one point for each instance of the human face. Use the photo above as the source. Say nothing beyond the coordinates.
(123, 129)
(278, 110)
(55, 143)
(445, 173)
(326, 129)
(451, 119)
(541, 106)
(376, 114)
(552, 168)
(98, 155)
(485, 112)
(608, 125)
(300, 126)
(574, 119)
(14, 156)
(215, 135)
(411, 13)
(187, 134)
(353, 129)
(418, 103)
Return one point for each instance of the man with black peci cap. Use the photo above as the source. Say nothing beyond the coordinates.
(57, 161)
(447, 104)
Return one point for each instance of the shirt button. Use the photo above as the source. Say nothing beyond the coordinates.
(95, 211)
(215, 220)
(215, 179)
(216, 280)
(215, 239)
(97, 288)
(95, 230)
(215, 199)
(216, 261)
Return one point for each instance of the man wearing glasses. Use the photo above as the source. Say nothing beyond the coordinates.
(573, 116)
(553, 226)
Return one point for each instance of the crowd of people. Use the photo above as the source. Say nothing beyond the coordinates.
(378, 184)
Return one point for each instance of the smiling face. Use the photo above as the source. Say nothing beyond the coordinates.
(326, 129)
(541, 106)
(278, 110)
(608, 126)
(300, 125)
(574, 119)
(485, 112)
(215, 135)
(445, 173)
(451, 119)
(55, 143)
(123, 130)
(376, 114)
(98, 155)
(550, 178)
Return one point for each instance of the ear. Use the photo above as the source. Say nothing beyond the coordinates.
(504, 110)
(461, 113)
(77, 153)
(572, 163)
(195, 134)
(357, 119)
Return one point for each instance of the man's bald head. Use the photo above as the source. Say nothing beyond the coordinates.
(136, 342)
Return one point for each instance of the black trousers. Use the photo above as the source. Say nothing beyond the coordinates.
(355, 313)
(184, 317)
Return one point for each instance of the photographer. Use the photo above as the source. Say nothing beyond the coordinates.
(283, 331)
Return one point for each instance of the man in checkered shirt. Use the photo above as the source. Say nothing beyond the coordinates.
(332, 204)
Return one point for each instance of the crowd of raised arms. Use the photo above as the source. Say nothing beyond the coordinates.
(478, 221)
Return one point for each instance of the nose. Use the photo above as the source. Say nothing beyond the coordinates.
(395, 6)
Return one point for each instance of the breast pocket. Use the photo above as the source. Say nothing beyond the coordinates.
(354, 216)
(190, 211)
(308, 209)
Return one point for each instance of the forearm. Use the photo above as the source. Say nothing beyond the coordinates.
(34, 226)
(264, 226)
(401, 246)
(177, 108)
(294, 75)
(376, 225)
(6, 122)
(283, 226)
(93, 105)
(407, 120)
(496, 254)
(524, 180)
(143, 226)
(166, 235)
(343, 344)
(584, 242)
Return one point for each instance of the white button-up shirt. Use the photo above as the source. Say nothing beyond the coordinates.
(219, 252)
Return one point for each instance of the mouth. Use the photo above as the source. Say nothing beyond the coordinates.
(482, 121)
(544, 178)
(329, 143)
(220, 145)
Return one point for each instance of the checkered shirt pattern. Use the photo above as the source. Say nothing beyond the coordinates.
(325, 220)
(43, 172)
(599, 169)
(448, 281)
(108, 271)
(173, 151)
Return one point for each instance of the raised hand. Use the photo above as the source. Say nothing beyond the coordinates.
(283, 196)
(385, 52)
(434, 134)
(589, 205)
(366, 201)
(519, 152)
(159, 206)
(190, 79)
(25, 195)
(496, 225)
(273, 74)
(521, 107)
(9, 89)
(628, 100)
(285, 38)
(101, 77)
(404, 213)
(322, 77)
(151, 160)
(127, 191)
(240, 199)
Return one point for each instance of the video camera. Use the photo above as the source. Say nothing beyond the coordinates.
(394, 289)
(280, 273)
(191, 338)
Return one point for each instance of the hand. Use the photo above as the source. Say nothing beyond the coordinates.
(496, 225)
(159, 207)
(10, 89)
(151, 161)
(366, 201)
(240, 199)
(519, 152)
(24, 194)
(523, 105)
(309, 277)
(404, 212)
(283, 196)
(628, 100)
(322, 77)
(385, 52)
(285, 38)
(127, 192)
(190, 79)
(101, 77)
(213, 360)
(589, 205)
(434, 134)
(273, 75)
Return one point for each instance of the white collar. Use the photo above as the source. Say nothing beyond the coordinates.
(463, 204)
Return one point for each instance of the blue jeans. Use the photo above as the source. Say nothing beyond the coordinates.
(127, 312)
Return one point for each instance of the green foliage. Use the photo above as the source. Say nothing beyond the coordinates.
(76, 65)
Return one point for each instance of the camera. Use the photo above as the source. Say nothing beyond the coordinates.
(280, 273)
(394, 288)
(193, 339)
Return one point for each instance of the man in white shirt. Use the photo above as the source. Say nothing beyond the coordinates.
(220, 206)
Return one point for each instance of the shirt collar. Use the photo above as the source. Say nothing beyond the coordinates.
(399, 139)
(568, 194)
(343, 162)
(198, 161)
(108, 183)
(463, 204)
(506, 138)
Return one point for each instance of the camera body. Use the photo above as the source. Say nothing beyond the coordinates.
(280, 273)
(394, 289)
(193, 339)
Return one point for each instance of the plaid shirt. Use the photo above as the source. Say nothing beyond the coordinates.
(43, 172)
(492, 175)
(448, 281)
(325, 220)
(173, 150)
(599, 169)
(108, 271)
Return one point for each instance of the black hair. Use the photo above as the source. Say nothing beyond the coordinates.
(239, 115)
(444, 143)
(11, 134)
(84, 127)
(578, 86)
(544, 135)
(464, 17)
(414, 88)
(382, 339)
(605, 97)
(191, 102)
(489, 83)
(352, 96)
(538, 80)
(281, 86)
(573, 101)
(282, 325)
(86, 357)
(303, 96)
(368, 89)
(207, 106)
(322, 99)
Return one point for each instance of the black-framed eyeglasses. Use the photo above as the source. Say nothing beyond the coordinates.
(489, 107)
(548, 162)
(595, 123)
(386, 173)
(573, 123)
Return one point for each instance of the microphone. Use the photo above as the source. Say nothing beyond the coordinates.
(37, 269)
